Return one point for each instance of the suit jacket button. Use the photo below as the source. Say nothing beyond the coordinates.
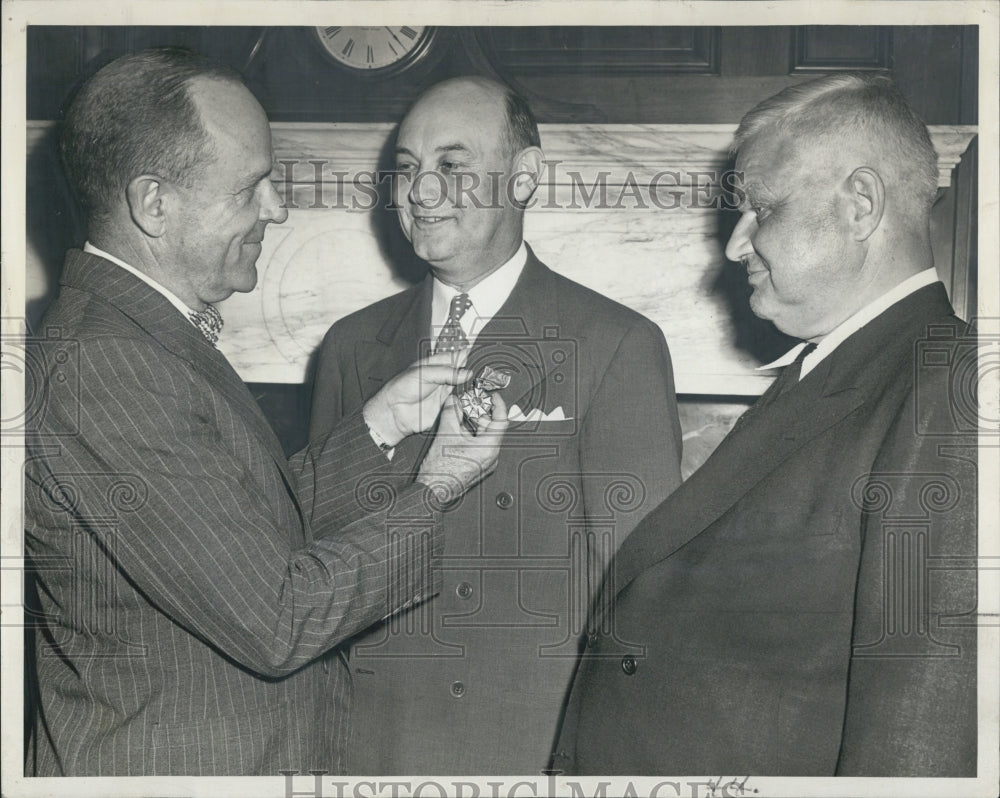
(592, 639)
(629, 665)
(457, 689)
(464, 590)
(504, 500)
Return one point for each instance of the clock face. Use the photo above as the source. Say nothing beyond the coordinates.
(375, 49)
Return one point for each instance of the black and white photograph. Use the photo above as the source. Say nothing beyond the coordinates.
(500, 399)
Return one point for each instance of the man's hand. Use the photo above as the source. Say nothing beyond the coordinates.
(411, 401)
(457, 459)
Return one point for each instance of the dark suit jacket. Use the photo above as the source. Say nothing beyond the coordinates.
(188, 573)
(474, 682)
(804, 604)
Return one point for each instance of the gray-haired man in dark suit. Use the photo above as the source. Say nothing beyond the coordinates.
(804, 605)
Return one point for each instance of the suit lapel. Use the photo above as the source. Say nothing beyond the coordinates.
(402, 339)
(154, 314)
(506, 341)
(510, 339)
(744, 458)
(785, 422)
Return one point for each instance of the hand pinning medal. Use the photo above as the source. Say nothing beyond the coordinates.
(477, 402)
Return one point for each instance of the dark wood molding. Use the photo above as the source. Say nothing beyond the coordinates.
(835, 48)
(605, 50)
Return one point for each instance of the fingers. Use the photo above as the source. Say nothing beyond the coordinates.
(499, 409)
(451, 418)
(441, 374)
(491, 430)
(444, 368)
(456, 358)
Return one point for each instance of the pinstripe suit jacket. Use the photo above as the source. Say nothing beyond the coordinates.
(188, 573)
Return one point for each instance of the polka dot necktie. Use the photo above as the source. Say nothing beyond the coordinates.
(208, 322)
(452, 337)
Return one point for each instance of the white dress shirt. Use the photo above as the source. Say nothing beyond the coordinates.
(487, 297)
(170, 295)
(851, 325)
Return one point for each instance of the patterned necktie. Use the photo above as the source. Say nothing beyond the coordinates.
(452, 337)
(208, 321)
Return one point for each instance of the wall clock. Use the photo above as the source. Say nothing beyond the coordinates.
(375, 50)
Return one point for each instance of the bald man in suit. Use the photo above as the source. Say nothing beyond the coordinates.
(474, 682)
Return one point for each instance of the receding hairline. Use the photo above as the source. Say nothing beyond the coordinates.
(208, 94)
(495, 93)
(488, 86)
(135, 115)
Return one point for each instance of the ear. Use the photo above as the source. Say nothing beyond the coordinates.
(866, 193)
(527, 174)
(145, 195)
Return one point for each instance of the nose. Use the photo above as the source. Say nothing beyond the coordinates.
(271, 209)
(740, 244)
(426, 189)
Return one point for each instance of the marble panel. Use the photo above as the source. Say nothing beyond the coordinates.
(651, 235)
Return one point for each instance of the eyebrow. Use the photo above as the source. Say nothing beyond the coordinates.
(756, 193)
(254, 177)
(442, 149)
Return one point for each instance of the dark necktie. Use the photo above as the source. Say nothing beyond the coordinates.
(788, 378)
(452, 337)
(796, 367)
(208, 322)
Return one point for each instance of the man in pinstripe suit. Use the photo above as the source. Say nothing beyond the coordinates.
(193, 581)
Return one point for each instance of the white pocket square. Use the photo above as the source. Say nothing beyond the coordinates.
(517, 415)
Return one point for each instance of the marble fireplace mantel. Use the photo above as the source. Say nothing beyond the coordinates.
(654, 241)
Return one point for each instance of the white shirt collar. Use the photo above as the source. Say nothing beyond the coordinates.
(487, 297)
(851, 325)
(170, 295)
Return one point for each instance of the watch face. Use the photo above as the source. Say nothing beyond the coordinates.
(375, 49)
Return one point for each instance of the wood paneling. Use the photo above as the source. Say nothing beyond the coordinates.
(607, 50)
(699, 75)
(833, 48)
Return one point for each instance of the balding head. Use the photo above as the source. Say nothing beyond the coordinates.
(136, 116)
(519, 128)
(468, 162)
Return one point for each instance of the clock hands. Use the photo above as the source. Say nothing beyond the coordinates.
(394, 36)
(381, 49)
